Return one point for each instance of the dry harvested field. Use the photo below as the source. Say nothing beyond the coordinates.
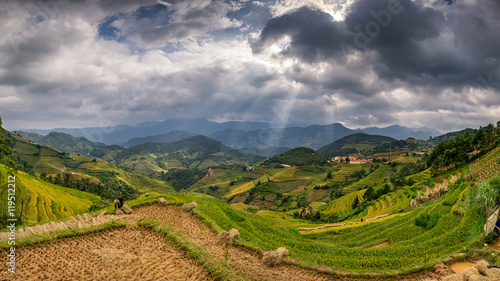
(122, 254)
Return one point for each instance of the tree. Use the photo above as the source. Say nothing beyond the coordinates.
(355, 203)
(5, 151)
(369, 194)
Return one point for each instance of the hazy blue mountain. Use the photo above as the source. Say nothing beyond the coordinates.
(123, 133)
(90, 133)
(245, 135)
(402, 133)
(172, 136)
(314, 137)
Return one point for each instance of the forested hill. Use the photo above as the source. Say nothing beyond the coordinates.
(300, 156)
(63, 142)
(199, 143)
(189, 152)
(361, 140)
(464, 147)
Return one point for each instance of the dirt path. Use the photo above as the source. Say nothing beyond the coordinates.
(122, 254)
(436, 191)
(240, 258)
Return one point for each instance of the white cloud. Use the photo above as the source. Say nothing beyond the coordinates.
(63, 73)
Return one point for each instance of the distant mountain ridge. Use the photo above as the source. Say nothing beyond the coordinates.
(259, 138)
(172, 136)
(401, 133)
(120, 134)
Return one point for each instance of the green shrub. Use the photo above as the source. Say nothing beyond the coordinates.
(293, 230)
(488, 194)
(427, 221)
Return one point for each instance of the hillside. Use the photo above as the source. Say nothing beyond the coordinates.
(63, 142)
(40, 201)
(352, 144)
(171, 136)
(390, 247)
(57, 166)
(193, 152)
(300, 156)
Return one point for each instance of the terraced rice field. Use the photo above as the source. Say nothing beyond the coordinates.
(345, 172)
(41, 201)
(285, 175)
(376, 177)
(485, 167)
(343, 204)
(240, 188)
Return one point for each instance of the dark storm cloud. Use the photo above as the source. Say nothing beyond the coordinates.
(441, 44)
(32, 50)
(314, 34)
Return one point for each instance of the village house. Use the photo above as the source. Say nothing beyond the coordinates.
(361, 161)
(352, 159)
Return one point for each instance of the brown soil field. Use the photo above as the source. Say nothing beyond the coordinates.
(123, 254)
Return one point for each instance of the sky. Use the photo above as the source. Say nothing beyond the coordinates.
(361, 63)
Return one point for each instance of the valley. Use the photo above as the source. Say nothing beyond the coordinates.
(361, 207)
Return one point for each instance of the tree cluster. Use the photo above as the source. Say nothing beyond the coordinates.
(459, 149)
(108, 187)
(182, 178)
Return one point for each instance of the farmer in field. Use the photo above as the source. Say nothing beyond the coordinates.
(118, 203)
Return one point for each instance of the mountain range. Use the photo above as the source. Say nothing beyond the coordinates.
(261, 138)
